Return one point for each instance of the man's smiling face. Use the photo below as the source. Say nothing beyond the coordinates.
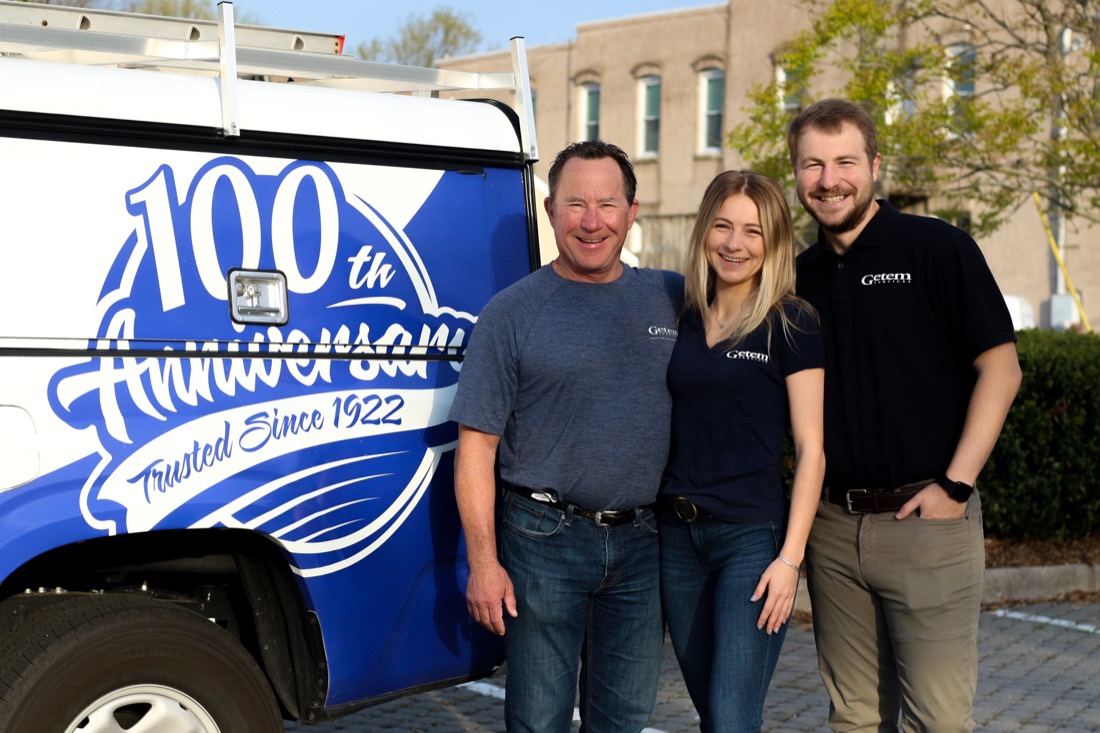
(591, 217)
(836, 181)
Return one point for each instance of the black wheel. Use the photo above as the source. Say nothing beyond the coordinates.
(108, 664)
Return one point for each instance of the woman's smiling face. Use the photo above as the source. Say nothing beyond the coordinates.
(735, 244)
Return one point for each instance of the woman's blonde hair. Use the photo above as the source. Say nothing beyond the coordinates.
(777, 276)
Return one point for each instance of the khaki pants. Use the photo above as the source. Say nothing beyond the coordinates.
(895, 611)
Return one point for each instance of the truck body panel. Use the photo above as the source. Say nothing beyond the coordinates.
(257, 333)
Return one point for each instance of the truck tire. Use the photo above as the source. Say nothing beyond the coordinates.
(106, 664)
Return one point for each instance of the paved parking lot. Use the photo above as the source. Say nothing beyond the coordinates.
(1039, 673)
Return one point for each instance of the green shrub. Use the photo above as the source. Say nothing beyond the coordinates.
(1043, 479)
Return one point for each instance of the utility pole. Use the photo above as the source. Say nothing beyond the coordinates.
(1061, 307)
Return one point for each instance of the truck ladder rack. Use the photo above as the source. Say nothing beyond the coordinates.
(223, 49)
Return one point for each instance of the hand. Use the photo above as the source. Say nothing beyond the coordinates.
(933, 503)
(489, 593)
(779, 584)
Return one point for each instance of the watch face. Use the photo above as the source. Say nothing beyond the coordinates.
(960, 491)
(957, 490)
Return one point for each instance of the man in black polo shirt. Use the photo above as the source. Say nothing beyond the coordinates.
(920, 371)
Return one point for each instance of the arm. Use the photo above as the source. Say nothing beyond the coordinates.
(999, 378)
(805, 393)
(488, 589)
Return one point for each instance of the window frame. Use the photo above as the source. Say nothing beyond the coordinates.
(711, 77)
(961, 82)
(649, 119)
(589, 123)
(960, 85)
(792, 104)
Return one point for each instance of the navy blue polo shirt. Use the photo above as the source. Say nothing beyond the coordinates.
(904, 313)
(729, 415)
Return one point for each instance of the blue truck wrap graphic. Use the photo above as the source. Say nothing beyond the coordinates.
(327, 434)
(238, 274)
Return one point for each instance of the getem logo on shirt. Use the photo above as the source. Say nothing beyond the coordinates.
(748, 356)
(663, 332)
(886, 278)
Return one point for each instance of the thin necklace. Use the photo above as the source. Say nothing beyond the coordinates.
(714, 312)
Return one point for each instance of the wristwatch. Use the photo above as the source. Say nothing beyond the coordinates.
(957, 490)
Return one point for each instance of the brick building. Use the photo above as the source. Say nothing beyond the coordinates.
(667, 87)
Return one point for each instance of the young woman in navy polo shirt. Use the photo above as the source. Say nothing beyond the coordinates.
(748, 361)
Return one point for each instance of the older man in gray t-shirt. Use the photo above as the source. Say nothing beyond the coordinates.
(564, 385)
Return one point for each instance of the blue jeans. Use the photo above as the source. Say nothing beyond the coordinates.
(584, 593)
(709, 569)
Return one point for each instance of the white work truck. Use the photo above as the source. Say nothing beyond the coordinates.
(238, 271)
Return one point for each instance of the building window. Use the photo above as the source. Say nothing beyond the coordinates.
(789, 94)
(961, 62)
(900, 98)
(959, 87)
(590, 111)
(712, 97)
(649, 118)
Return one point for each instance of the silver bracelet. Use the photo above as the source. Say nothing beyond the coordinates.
(785, 561)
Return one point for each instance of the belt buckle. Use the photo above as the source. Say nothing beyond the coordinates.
(597, 517)
(848, 497)
(683, 503)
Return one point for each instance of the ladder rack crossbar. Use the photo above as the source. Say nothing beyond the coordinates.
(103, 48)
(225, 50)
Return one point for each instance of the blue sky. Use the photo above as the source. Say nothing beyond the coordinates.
(538, 21)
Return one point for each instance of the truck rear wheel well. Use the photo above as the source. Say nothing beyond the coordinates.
(235, 578)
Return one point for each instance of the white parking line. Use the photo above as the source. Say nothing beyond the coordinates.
(484, 688)
(1062, 623)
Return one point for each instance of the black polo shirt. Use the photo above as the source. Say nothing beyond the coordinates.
(904, 313)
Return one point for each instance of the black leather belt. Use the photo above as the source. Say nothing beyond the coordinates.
(874, 501)
(605, 518)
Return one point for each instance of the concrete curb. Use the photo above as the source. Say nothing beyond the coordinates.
(1016, 584)
(1026, 584)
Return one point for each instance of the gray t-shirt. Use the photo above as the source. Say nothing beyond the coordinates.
(571, 375)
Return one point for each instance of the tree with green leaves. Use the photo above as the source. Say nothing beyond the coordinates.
(420, 40)
(978, 102)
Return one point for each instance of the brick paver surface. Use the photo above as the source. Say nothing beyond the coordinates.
(1039, 673)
